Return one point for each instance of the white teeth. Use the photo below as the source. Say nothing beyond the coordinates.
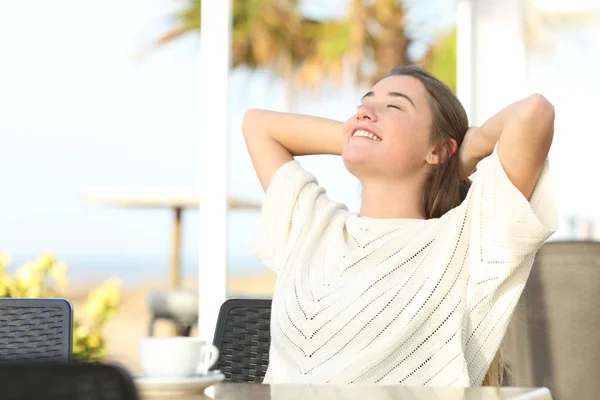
(363, 133)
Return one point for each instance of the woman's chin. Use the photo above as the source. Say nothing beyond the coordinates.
(358, 162)
(351, 156)
(358, 153)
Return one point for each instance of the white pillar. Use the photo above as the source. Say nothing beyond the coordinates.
(215, 53)
(490, 38)
(464, 55)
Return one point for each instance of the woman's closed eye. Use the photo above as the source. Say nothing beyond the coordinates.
(387, 105)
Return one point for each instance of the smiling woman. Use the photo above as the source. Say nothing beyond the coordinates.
(419, 286)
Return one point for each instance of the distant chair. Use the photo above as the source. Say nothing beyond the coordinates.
(35, 330)
(552, 340)
(176, 305)
(66, 381)
(243, 337)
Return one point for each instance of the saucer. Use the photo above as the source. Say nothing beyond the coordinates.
(177, 386)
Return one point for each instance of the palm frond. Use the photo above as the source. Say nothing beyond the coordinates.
(274, 34)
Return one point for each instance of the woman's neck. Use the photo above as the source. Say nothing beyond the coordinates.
(397, 200)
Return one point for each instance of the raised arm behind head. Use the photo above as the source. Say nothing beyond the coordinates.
(274, 138)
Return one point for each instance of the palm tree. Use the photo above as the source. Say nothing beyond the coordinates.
(274, 34)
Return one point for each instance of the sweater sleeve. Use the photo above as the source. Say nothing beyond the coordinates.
(505, 227)
(293, 202)
(506, 230)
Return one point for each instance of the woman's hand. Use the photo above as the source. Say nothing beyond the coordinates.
(468, 158)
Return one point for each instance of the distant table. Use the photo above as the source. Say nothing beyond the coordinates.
(175, 200)
(257, 391)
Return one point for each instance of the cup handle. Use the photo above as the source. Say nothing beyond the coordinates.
(214, 356)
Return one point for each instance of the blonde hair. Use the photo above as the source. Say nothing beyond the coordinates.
(496, 374)
(446, 190)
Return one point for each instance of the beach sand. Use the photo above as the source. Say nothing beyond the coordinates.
(131, 323)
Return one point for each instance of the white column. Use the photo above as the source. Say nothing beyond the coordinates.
(212, 125)
(464, 55)
(490, 37)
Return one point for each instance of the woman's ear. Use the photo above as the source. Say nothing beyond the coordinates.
(441, 153)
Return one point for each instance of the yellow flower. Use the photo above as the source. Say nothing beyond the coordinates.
(94, 309)
(45, 261)
(33, 291)
(5, 260)
(38, 266)
(58, 271)
(80, 331)
(103, 300)
(78, 348)
(6, 284)
(94, 340)
(29, 275)
(113, 298)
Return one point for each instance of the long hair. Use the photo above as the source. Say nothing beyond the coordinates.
(445, 190)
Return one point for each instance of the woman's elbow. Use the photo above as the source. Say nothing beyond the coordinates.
(538, 107)
(538, 114)
(250, 125)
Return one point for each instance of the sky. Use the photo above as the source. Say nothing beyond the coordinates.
(79, 111)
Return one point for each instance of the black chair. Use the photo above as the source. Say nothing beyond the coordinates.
(35, 330)
(243, 337)
(65, 381)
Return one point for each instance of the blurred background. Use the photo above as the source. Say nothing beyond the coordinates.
(106, 93)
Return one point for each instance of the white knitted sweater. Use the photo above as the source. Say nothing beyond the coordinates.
(396, 301)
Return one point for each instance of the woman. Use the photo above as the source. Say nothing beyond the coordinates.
(419, 287)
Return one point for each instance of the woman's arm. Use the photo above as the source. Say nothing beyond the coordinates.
(524, 132)
(274, 138)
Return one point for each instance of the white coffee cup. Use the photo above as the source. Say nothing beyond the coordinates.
(176, 357)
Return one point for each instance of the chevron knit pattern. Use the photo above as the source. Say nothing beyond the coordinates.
(396, 301)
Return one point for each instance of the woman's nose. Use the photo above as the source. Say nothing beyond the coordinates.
(366, 113)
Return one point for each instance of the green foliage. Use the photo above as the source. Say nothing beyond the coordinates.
(443, 60)
(274, 34)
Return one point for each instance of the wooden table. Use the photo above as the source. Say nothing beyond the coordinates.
(253, 391)
(175, 200)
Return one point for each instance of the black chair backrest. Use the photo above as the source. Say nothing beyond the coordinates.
(243, 337)
(65, 381)
(35, 330)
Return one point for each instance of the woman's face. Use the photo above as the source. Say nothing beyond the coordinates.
(389, 136)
